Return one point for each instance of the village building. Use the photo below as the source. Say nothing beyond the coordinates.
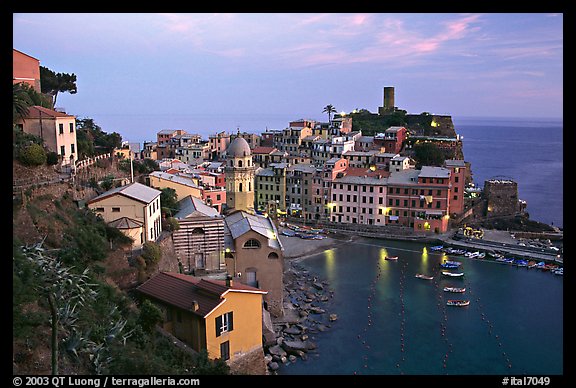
(25, 69)
(57, 129)
(222, 317)
(254, 256)
(199, 241)
(239, 172)
(136, 207)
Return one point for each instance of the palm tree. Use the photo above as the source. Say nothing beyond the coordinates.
(21, 102)
(329, 109)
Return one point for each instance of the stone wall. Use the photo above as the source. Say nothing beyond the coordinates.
(501, 196)
(251, 363)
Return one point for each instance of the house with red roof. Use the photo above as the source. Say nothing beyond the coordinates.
(222, 317)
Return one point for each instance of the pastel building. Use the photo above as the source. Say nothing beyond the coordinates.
(135, 204)
(358, 200)
(26, 69)
(57, 129)
(222, 317)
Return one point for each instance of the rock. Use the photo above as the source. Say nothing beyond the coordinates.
(276, 350)
(273, 366)
(321, 328)
(317, 286)
(304, 337)
(267, 359)
(283, 359)
(333, 317)
(317, 310)
(324, 298)
(292, 330)
(293, 346)
(292, 358)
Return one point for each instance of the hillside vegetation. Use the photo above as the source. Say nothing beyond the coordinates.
(103, 329)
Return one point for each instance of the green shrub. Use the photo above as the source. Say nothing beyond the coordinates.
(32, 155)
(51, 158)
(149, 317)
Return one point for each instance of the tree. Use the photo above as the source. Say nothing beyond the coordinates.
(329, 109)
(64, 290)
(428, 154)
(21, 102)
(151, 254)
(149, 316)
(52, 83)
(169, 201)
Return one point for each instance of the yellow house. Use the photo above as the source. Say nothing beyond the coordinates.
(182, 185)
(134, 206)
(223, 317)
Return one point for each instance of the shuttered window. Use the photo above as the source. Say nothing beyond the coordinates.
(224, 323)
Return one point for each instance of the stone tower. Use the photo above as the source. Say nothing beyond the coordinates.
(388, 102)
(239, 173)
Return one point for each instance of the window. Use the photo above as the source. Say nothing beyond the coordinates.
(71, 127)
(61, 128)
(115, 210)
(218, 197)
(240, 187)
(224, 323)
(437, 204)
(380, 199)
(225, 350)
(455, 189)
(438, 192)
(100, 209)
(273, 255)
(456, 179)
(252, 243)
(62, 150)
(72, 148)
(239, 163)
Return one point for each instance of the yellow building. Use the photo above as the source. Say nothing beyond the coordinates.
(223, 317)
(182, 185)
(134, 207)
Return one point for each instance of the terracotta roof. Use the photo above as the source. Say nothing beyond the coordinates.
(359, 171)
(35, 111)
(181, 291)
(263, 150)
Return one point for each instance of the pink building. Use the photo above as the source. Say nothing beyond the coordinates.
(392, 139)
(218, 144)
(214, 197)
(359, 199)
(25, 68)
(457, 184)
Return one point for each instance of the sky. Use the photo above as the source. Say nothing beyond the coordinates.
(141, 73)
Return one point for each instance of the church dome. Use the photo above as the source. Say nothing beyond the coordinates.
(238, 148)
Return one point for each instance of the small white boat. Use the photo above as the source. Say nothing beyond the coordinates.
(458, 303)
(425, 277)
(453, 274)
(455, 289)
(391, 258)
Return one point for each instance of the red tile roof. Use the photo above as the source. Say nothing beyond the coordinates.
(360, 171)
(181, 291)
(35, 111)
(263, 150)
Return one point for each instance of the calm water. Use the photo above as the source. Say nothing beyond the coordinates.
(515, 316)
(528, 151)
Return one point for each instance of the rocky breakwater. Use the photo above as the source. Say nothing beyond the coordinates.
(307, 303)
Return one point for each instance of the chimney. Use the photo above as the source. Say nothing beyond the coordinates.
(195, 305)
(229, 282)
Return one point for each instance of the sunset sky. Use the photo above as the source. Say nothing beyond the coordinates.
(292, 65)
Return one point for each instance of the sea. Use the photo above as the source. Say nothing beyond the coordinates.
(392, 323)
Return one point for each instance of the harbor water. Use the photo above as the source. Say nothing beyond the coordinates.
(392, 323)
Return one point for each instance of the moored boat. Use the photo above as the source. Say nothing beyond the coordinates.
(447, 265)
(391, 258)
(453, 274)
(436, 248)
(453, 262)
(457, 302)
(425, 277)
(455, 289)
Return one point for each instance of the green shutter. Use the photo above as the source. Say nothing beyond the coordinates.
(218, 325)
(230, 321)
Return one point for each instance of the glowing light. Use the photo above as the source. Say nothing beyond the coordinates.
(330, 263)
(383, 254)
(424, 255)
(227, 250)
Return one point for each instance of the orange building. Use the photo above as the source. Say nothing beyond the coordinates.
(222, 317)
(25, 68)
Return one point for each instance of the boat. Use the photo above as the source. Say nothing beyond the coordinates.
(391, 258)
(453, 274)
(457, 302)
(425, 277)
(447, 265)
(559, 271)
(289, 233)
(481, 255)
(437, 248)
(455, 289)
(521, 263)
(472, 255)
